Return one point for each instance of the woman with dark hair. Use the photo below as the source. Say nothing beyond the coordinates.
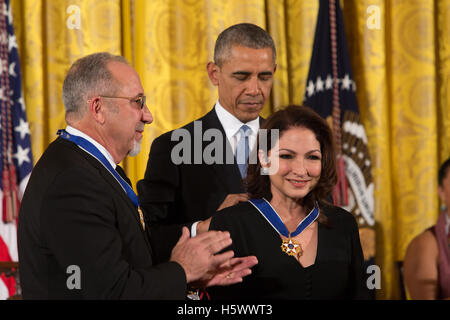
(306, 247)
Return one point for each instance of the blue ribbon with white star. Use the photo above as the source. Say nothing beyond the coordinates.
(91, 149)
(264, 207)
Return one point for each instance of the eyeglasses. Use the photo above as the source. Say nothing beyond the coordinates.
(139, 100)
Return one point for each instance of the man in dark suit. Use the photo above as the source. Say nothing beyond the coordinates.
(80, 232)
(184, 185)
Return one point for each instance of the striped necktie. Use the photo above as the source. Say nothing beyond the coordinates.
(242, 150)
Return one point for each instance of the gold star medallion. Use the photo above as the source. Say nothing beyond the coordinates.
(141, 217)
(291, 247)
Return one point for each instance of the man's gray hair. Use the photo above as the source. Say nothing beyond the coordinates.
(87, 76)
(243, 34)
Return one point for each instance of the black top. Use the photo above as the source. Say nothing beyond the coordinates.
(336, 274)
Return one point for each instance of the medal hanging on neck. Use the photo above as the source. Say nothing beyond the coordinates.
(92, 150)
(289, 245)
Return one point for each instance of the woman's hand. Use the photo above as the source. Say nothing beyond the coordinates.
(203, 226)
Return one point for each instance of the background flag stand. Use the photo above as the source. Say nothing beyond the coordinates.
(16, 159)
(330, 90)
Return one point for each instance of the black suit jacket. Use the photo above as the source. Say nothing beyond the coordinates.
(176, 194)
(74, 214)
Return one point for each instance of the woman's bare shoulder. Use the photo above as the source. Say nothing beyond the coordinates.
(424, 241)
(420, 266)
(422, 250)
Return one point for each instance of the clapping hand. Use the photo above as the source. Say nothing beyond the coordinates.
(204, 265)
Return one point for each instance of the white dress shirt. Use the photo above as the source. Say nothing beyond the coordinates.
(231, 125)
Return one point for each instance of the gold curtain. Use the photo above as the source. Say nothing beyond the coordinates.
(401, 67)
(402, 75)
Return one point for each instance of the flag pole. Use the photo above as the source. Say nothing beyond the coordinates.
(340, 194)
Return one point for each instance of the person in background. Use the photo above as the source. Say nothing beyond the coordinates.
(81, 234)
(426, 266)
(306, 247)
(176, 194)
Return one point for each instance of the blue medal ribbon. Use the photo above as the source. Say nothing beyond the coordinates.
(91, 149)
(264, 207)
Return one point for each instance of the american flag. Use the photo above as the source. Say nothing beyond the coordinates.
(331, 91)
(16, 159)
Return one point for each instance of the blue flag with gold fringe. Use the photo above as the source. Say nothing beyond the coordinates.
(331, 91)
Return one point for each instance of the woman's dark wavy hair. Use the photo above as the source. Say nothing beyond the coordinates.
(295, 116)
(442, 173)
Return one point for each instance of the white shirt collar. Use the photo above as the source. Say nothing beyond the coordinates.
(231, 124)
(101, 148)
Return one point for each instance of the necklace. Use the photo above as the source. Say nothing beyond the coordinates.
(289, 246)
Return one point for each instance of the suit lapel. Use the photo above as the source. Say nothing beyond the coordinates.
(228, 171)
(109, 178)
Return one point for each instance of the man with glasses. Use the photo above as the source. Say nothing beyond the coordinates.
(81, 234)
